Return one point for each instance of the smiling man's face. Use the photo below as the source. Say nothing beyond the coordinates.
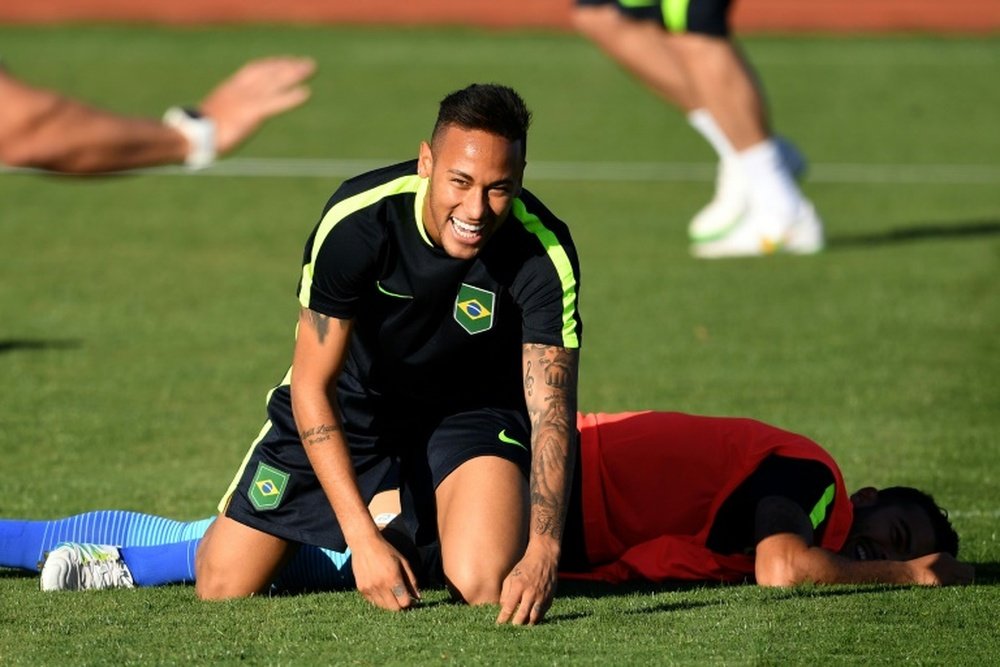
(474, 178)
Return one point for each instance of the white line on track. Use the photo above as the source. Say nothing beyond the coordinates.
(635, 172)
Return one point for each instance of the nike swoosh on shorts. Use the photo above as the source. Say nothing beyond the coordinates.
(503, 437)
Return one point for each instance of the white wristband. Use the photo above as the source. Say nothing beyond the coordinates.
(199, 132)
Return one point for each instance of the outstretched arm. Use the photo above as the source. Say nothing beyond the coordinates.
(786, 556)
(550, 377)
(44, 129)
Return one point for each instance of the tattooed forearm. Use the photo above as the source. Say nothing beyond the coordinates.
(558, 365)
(550, 395)
(547, 496)
(318, 434)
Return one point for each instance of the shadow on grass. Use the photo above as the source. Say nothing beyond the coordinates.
(16, 574)
(987, 574)
(17, 345)
(969, 229)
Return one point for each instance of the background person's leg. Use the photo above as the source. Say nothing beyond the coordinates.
(723, 85)
(641, 48)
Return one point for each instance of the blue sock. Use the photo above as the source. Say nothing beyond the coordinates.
(23, 544)
(157, 550)
(161, 564)
(19, 543)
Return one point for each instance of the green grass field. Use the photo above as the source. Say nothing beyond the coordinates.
(143, 319)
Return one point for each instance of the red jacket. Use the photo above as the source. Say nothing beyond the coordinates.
(652, 483)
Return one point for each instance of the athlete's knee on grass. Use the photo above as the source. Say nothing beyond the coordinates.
(474, 573)
(475, 583)
(211, 580)
(235, 561)
(482, 522)
(212, 583)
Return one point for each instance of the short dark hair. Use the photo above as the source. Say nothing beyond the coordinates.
(486, 106)
(945, 537)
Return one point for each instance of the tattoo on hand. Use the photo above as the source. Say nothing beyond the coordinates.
(318, 434)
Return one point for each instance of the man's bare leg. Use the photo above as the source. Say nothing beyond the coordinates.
(482, 510)
(642, 49)
(723, 85)
(235, 561)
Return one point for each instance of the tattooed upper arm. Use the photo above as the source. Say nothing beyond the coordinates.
(320, 323)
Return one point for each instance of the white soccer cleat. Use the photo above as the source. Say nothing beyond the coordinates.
(729, 204)
(732, 200)
(759, 234)
(805, 236)
(81, 567)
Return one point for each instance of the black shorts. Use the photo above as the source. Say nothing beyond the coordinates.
(704, 17)
(277, 492)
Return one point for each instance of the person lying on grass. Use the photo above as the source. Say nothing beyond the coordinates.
(656, 496)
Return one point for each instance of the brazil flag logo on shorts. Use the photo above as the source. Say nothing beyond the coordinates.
(268, 487)
(474, 309)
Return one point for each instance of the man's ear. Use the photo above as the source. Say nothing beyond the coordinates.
(866, 497)
(425, 160)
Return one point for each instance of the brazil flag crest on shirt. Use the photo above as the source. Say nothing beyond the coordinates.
(474, 309)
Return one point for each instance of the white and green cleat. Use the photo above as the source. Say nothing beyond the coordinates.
(73, 566)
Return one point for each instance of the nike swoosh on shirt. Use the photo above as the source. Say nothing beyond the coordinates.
(395, 295)
(502, 435)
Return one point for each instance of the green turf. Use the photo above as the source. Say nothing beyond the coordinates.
(143, 318)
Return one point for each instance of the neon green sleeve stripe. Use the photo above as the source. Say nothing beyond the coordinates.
(341, 210)
(675, 15)
(818, 514)
(564, 268)
(638, 3)
(418, 210)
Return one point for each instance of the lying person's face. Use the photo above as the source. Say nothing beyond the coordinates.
(887, 531)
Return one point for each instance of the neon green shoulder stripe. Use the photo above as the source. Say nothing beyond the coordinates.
(675, 14)
(818, 513)
(342, 209)
(564, 269)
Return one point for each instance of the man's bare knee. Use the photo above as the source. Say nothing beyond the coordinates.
(474, 585)
(213, 584)
(236, 561)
